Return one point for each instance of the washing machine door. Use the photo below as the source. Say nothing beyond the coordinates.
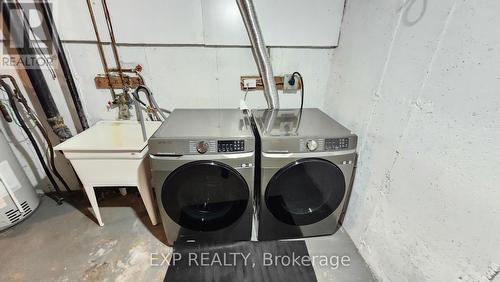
(305, 191)
(205, 195)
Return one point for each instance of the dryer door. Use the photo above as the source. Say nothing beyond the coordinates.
(305, 191)
(205, 195)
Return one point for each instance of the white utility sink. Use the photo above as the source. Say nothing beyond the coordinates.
(112, 154)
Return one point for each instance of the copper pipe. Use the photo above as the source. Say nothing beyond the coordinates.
(113, 44)
(101, 50)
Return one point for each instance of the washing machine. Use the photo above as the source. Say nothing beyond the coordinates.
(202, 163)
(304, 175)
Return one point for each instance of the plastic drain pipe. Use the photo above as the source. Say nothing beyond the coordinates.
(16, 25)
(63, 61)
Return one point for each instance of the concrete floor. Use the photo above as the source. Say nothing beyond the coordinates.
(63, 243)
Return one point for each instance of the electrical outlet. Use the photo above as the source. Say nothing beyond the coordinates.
(287, 87)
(250, 83)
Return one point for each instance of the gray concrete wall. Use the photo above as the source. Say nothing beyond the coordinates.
(419, 81)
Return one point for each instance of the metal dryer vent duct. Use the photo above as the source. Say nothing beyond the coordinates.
(260, 53)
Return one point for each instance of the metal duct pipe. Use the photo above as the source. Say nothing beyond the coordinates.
(15, 23)
(260, 53)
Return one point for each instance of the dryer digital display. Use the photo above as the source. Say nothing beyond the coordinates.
(231, 146)
(336, 144)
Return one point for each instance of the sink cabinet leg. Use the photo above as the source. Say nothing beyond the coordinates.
(89, 190)
(145, 191)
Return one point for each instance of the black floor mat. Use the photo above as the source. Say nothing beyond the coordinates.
(265, 261)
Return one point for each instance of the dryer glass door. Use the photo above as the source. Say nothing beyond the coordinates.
(305, 191)
(205, 195)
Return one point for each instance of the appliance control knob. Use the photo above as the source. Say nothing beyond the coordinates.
(312, 145)
(202, 147)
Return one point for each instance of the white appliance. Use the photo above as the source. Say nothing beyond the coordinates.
(18, 198)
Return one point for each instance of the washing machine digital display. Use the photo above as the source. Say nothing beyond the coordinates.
(231, 146)
(336, 144)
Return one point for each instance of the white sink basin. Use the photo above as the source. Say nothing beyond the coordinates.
(110, 136)
(112, 154)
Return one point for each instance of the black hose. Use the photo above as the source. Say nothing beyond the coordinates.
(40, 127)
(12, 102)
(51, 152)
(135, 94)
(152, 100)
(5, 113)
(63, 61)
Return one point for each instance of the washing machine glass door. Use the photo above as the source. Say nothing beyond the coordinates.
(305, 191)
(205, 195)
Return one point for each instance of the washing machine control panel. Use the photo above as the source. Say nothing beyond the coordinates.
(230, 146)
(336, 144)
(320, 144)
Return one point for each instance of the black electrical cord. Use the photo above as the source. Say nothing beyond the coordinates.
(12, 102)
(292, 82)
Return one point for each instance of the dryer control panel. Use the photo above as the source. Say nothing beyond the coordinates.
(320, 144)
(218, 146)
(336, 144)
(231, 146)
